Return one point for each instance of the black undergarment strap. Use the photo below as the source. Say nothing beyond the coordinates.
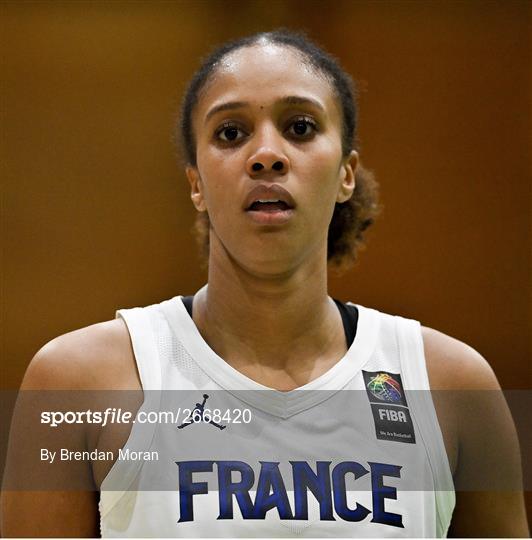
(350, 319)
(348, 313)
(187, 300)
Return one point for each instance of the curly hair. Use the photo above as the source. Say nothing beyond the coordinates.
(350, 218)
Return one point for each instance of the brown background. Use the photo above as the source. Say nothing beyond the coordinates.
(96, 214)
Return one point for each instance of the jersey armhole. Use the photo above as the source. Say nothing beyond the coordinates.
(145, 351)
(123, 473)
(420, 400)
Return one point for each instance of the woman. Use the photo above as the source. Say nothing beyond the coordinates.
(268, 125)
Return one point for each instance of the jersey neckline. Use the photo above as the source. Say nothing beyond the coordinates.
(275, 402)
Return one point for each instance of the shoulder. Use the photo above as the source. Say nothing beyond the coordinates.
(475, 419)
(454, 365)
(96, 357)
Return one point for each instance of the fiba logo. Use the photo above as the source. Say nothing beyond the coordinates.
(392, 421)
(385, 387)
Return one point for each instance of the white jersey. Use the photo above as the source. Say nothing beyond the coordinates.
(357, 452)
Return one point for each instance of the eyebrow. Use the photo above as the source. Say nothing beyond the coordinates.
(290, 100)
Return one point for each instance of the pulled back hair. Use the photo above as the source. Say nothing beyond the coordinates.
(350, 218)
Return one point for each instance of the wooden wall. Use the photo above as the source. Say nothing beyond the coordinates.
(95, 208)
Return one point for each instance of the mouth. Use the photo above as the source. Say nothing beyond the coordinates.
(269, 204)
(270, 212)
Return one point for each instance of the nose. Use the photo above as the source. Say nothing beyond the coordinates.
(267, 157)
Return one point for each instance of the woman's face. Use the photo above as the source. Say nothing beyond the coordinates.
(268, 128)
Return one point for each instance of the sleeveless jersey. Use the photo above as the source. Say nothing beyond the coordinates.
(357, 452)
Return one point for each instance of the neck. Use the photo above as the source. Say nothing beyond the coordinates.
(283, 321)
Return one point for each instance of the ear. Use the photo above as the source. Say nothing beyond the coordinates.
(347, 172)
(196, 188)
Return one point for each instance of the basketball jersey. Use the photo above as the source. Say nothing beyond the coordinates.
(357, 452)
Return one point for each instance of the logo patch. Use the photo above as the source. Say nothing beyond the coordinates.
(389, 407)
(384, 387)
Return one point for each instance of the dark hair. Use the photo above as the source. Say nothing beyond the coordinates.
(351, 218)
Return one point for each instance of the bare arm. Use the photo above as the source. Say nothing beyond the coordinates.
(58, 499)
(489, 498)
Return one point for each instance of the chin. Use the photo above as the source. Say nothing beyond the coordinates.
(265, 265)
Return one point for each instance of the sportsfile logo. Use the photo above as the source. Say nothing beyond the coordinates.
(389, 407)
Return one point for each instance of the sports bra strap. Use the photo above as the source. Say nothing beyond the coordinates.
(349, 314)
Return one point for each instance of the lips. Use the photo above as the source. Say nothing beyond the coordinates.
(269, 198)
(269, 205)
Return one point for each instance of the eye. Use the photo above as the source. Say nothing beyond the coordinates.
(229, 132)
(302, 127)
